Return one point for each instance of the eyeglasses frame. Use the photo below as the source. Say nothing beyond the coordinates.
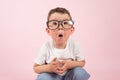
(59, 23)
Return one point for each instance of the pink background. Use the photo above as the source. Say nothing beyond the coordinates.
(22, 31)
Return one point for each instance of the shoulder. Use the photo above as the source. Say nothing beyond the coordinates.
(46, 45)
(72, 42)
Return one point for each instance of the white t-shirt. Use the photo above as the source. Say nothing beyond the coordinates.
(48, 52)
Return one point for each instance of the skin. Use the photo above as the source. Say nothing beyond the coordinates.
(58, 42)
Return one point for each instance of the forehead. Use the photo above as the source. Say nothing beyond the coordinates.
(59, 16)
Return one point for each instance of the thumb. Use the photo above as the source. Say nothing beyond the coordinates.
(63, 62)
(54, 59)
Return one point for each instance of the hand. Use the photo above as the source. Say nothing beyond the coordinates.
(53, 66)
(64, 67)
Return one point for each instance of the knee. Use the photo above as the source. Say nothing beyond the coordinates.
(81, 73)
(44, 76)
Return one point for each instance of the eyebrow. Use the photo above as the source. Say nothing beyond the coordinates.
(60, 20)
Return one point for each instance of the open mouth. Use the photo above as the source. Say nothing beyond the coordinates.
(60, 35)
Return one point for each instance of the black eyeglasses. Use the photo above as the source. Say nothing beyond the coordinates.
(54, 24)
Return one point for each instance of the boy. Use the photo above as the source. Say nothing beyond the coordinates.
(60, 58)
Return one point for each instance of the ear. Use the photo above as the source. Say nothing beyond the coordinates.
(48, 31)
(72, 30)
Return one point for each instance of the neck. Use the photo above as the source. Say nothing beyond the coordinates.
(60, 45)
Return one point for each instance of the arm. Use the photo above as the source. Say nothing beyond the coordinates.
(51, 67)
(71, 64)
(74, 63)
(41, 68)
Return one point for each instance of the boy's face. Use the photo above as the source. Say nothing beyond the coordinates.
(59, 35)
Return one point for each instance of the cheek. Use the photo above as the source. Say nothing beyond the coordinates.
(67, 35)
(69, 32)
(53, 34)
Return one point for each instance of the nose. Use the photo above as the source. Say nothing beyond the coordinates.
(60, 27)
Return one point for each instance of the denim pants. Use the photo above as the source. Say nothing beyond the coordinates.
(77, 73)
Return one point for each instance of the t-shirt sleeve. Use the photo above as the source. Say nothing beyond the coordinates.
(77, 52)
(41, 57)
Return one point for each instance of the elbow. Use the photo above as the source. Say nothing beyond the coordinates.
(36, 70)
(82, 63)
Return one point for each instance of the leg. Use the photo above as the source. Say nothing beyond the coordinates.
(48, 76)
(77, 73)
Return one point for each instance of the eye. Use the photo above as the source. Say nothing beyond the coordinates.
(65, 22)
(55, 23)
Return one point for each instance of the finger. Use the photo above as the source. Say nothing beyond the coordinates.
(54, 59)
(54, 63)
(63, 62)
(59, 68)
(63, 67)
(59, 71)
